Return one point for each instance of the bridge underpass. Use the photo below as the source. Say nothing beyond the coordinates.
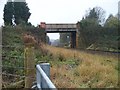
(63, 28)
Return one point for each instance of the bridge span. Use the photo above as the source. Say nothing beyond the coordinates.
(63, 28)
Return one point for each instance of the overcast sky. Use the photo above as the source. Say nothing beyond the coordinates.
(63, 11)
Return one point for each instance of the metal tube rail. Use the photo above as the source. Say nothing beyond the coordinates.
(43, 80)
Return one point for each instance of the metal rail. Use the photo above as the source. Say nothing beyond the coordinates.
(43, 74)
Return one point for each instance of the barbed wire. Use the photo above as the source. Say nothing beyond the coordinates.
(14, 75)
(12, 56)
(12, 46)
(20, 76)
(15, 67)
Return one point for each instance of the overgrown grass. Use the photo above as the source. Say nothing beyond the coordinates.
(78, 69)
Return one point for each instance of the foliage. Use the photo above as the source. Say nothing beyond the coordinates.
(12, 55)
(97, 13)
(89, 32)
(109, 35)
(93, 35)
(16, 13)
(112, 22)
(21, 12)
(8, 13)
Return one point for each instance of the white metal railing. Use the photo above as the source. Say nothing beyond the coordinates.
(43, 75)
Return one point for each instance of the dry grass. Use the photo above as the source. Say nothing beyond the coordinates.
(93, 70)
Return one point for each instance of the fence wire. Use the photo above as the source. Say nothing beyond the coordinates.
(13, 65)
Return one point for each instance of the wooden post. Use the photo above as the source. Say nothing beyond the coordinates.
(29, 62)
(29, 65)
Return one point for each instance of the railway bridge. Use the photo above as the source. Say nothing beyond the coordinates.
(63, 28)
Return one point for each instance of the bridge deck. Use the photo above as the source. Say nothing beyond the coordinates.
(60, 27)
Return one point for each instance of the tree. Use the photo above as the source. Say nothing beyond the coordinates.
(8, 13)
(111, 22)
(111, 31)
(89, 32)
(21, 12)
(90, 27)
(93, 35)
(16, 12)
(97, 13)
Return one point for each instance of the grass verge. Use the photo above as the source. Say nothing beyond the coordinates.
(78, 69)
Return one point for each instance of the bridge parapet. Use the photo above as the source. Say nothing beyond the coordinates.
(61, 26)
(60, 30)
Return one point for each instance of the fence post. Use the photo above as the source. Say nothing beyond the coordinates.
(29, 62)
(46, 68)
(29, 65)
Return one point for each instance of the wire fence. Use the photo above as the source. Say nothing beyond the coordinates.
(13, 69)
